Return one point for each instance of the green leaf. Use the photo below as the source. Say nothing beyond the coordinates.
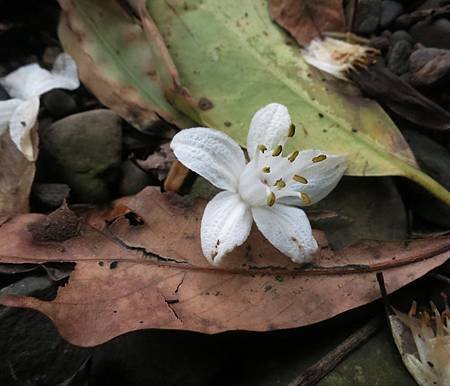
(233, 59)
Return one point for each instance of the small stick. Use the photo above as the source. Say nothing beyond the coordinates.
(326, 364)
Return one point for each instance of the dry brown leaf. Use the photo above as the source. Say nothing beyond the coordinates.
(16, 177)
(159, 162)
(308, 19)
(145, 269)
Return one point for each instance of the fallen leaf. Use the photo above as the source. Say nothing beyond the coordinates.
(393, 92)
(308, 19)
(16, 177)
(240, 65)
(244, 63)
(146, 270)
(106, 42)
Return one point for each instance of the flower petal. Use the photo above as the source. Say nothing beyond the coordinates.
(7, 109)
(212, 154)
(269, 127)
(288, 229)
(322, 176)
(226, 223)
(32, 80)
(20, 125)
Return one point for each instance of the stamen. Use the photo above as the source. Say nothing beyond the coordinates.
(293, 156)
(305, 198)
(262, 148)
(291, 130)
(280, 184)
(319, 158)
(277, 151)
(300, 179)
(271, 199)
(266, 169)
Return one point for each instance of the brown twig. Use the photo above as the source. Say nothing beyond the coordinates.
(326, 364)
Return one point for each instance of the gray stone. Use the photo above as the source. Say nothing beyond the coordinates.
(50, 195)
(3, 94)
(401, 35)
(31, 350)
(367, 17)
(397, 57)
(429, 66)
(59, 103)
(432, 33)
(390, 10)
(134, 179)
(84, 152)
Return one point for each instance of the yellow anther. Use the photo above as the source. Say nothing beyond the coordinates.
(262, 148)
(291, 130)
(280, 184)
(305, 198)
(277, 151)
(266, 169)
(319, 158)
(300, 179)
(293, 156)
(271, 199)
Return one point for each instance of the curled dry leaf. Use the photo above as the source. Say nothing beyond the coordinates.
(380, 83)
(308, 19)
(16, 176)
(144, 268)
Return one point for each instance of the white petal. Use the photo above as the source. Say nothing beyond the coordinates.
(212, 154)
(7, 109)
(269, 127)
(322, 176)
(20, 125)
(226, 223)
(288, 229)
(32, 80)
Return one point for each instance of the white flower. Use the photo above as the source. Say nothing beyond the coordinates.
(260, 189)
(337, 57)
(424, 344)
(24, 86)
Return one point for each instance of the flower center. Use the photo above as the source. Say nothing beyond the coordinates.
(269, 176)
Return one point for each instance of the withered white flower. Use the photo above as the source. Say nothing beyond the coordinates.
(262, 189)
(424, 344)
(25, 86)
(337, 57)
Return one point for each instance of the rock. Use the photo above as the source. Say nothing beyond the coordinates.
(397, 57)
(367, 17)
(428, 66)
(434, 159)
(84, 152)
(390, 10)
(134, 179)
(432, 33)
(380, 43)
(50, 196)
(401, 35)
(59, 103)
(31, 350)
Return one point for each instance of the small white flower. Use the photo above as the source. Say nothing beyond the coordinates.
(337, 57)
(25, 86)
(424, 344)
(261, 189)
